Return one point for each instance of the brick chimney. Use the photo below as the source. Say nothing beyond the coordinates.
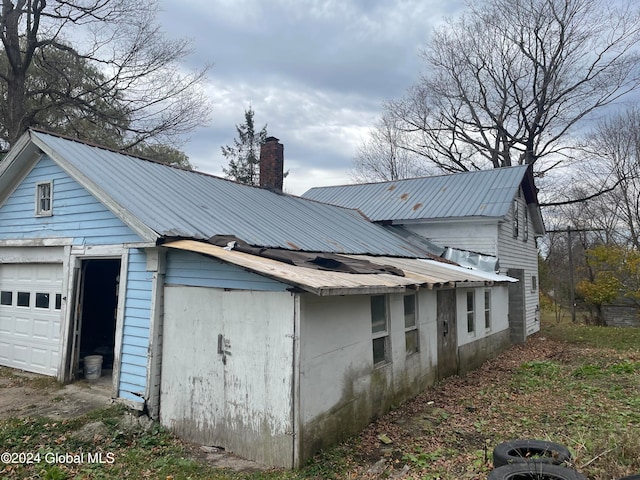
(272, 164)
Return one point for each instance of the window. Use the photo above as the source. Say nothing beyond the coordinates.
(380, 329)
(23, 299)
(42, 300)
(471, 312)
(58, 305)
(516, 218)
(534, 283)
(6, 298)
(410, 324)
(44, 200)
(525, 226)
(487, 309)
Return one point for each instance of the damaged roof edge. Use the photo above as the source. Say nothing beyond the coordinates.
(318, 282)
(425, 273)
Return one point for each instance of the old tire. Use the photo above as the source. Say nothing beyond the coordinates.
(534, 471)
(530, 451)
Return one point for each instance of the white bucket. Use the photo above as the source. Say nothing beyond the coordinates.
(93, 367)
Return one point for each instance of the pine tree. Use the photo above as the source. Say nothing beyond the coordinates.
(244, 155)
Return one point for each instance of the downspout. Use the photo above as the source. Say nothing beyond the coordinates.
(295, 382)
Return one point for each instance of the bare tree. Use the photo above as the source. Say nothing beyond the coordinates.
(383, 157)
(511, 80)
(82, 65)
(615, 159)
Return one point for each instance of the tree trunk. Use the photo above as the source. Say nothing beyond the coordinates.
(16, 121)
(16, 72)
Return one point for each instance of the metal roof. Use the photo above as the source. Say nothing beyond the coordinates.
(482, 193)
(440, 272)
(417, 272)
(173, 202)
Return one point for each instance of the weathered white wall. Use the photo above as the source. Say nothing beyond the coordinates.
(520, 253)
(477, 347)
(475, 236)
(340, 389)
(241, 400)
(494, 238)
(499, 313)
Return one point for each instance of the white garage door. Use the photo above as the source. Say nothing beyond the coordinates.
(30, 301)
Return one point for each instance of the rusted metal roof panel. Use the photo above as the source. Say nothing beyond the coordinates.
(483, 193)
(417, 272)
(179, 203)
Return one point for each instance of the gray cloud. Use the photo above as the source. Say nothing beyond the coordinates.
(316, 71)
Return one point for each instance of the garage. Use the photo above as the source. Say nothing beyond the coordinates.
(30, 304)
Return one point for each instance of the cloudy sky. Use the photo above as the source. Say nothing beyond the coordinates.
(315, 71)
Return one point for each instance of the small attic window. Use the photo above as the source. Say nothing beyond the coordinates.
(44, 199)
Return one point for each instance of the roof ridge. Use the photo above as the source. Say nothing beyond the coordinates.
(140, 157)
(175, 167)
(426, 177)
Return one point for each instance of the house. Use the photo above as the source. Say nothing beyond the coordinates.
(237, 316)
(490, 212)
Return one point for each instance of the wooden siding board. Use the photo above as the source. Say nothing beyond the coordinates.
(134, 350)
(137, 342)
(135, 333)
(139, 287)
(76, 213)
(136, 321)
(134, 370)
(194, 270)
(129, 390)
(516, 253)
(132, 330)
(463, 235)
(137, 318)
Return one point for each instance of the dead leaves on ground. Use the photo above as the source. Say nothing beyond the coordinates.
(450, 430)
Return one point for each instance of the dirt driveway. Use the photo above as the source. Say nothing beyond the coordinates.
(24, 394)
(27, 394)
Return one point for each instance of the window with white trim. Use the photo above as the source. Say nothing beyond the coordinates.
(44, 199)
(534, 283)
(487, 309)
(380, 329)
(410, 324)
(516, 218)
(471, 311)
(525, 224)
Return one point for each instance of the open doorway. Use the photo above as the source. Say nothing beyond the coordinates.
(96, 313)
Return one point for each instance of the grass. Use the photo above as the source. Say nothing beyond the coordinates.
(616, 338)
(571, 384)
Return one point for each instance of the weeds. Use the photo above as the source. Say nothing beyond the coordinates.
(580, 387)
(423, 459)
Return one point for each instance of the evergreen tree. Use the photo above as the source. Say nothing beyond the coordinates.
(244, 155)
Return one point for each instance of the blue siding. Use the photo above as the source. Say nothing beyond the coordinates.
(76, 213)
(135, 335)
(195, 270)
